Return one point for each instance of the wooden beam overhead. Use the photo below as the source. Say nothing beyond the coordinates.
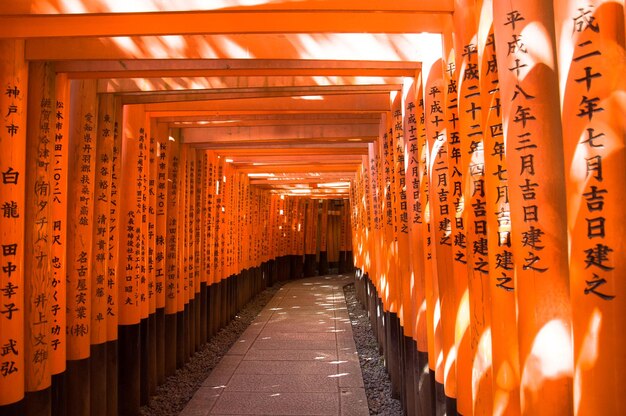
(241, 93)
(177, 84)
(323, 46)
(279, 133)
(374, 102)
(36, 7)
(222, 22)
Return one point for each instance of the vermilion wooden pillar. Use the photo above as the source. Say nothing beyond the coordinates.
(38, 261)
(114, 252)
(417, 193)
(171, 288)
(58, 218)
(324, 238)
(438, 215)
(162, 162)
(474, 349)
(182, 314)
(201, 210)
(590, 37)
(82, 160)
(533, 139)
(150, 245)
(310, 238)
(504, 333)
(14, 78)
(129, 264)
(100, 255)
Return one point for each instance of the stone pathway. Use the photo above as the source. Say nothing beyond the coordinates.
(298, 357)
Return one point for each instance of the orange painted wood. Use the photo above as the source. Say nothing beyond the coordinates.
(13, 75)
(414, 167)
(214, 22)
(504, 331)
(183, 229)
(102, 225)
(58, 218)
(406, 280)
(591, 70)
(439, 218)
(172, 289)
(474, 348)
(36, 211)
(162, 186)
(82, 159)
(150, 213)
(533, 139)
(131, 190)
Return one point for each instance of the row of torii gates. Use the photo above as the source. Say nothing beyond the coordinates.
(161, 164)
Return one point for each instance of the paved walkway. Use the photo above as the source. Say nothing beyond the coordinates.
(297, 358)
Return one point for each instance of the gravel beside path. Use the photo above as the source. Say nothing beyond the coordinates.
(375, 378)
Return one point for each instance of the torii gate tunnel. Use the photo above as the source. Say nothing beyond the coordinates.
(164, 162)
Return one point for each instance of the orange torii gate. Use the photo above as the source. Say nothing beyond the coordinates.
(126, 243)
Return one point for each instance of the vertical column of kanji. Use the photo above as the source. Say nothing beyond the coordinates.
(217, 235)
(592, 68)
(431, 290)
(58, 219)
(196, 248)
(201, 237)
(225, 253)
(100, 255)
(372, 216)
(191, 249)
(395, 277)
(405, 274)
(454, 300)
(113, 254)
(210, 241)
(222, 248)
(504, 335)
(380, 296)
(414, 167)
(150, 242)
(182, 315)
(161, 157)
(474, 349)
(534, 152)
(141, 244)
(14, 78)
(128, 269)
(82, 159)
(439, 218)
(37, 236)
(171, 284)
(359, 202)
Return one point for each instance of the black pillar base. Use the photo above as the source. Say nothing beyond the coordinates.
(58, 393)
(170, 340)
(160, 345)
(129, 370)
(112, 378)
(78, 388)
(98, 373)
(323, 263)
(37, 403)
